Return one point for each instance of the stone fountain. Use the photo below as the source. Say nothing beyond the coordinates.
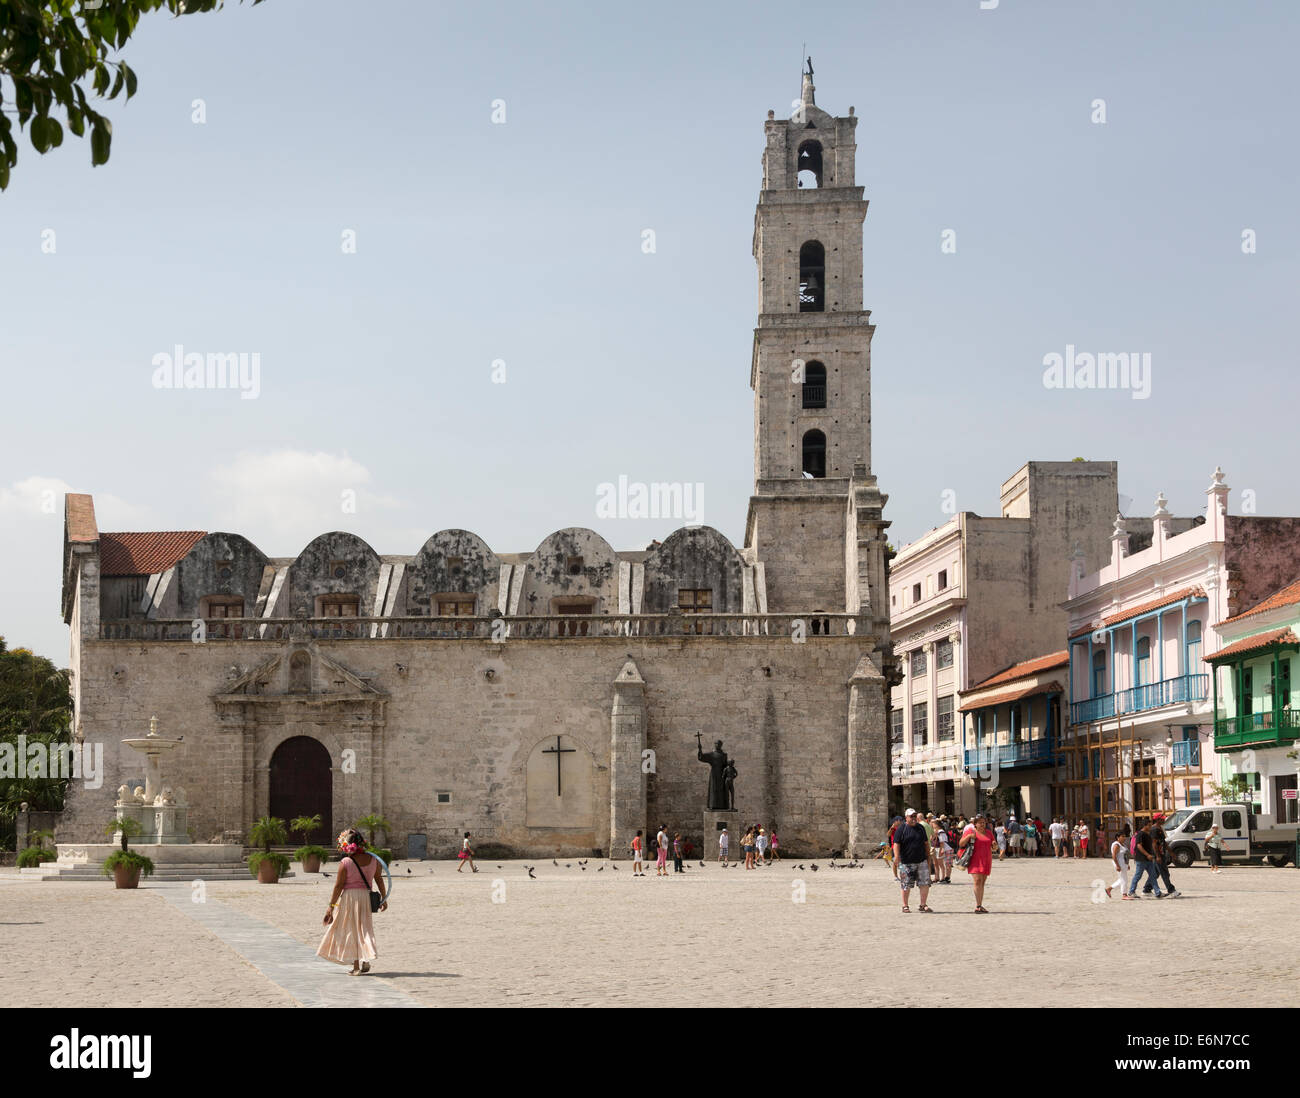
(162, 812)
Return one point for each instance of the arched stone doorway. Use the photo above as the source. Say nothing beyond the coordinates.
(302, 785)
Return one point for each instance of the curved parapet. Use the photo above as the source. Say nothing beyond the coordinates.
(453, 569)
(694, 559)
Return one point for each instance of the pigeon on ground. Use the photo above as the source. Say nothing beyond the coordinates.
(408, 869)
(583, 868)
(568, 865)
(701, 864)
(555, 863)
(614, 868)
(530, 872)
(813, 867)
(601, 869)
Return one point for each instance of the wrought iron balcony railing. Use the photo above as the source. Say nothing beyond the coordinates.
(1138, 699)
(1274, 726)
(1020, 753)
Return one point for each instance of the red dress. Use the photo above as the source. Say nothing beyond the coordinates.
(982, 860)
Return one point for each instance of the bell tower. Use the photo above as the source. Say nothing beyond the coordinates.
(815, 515)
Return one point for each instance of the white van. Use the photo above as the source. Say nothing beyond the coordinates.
(1243, 839)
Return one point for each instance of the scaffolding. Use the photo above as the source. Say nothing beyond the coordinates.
(1111, 777)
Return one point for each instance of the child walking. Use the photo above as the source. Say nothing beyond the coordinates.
(466, 855)
(677, 852)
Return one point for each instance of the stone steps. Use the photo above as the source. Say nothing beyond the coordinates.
(171, 872)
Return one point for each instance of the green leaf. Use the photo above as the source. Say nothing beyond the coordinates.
(101, 137)
(117, 84)
(40, 134)
(55, 132)
(131, 81)
(4, 173)
(76, 122)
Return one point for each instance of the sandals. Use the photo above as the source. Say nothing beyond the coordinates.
(906, 908)
(927, 910)
(981, 911)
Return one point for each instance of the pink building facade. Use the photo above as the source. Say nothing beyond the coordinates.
(1140, 731)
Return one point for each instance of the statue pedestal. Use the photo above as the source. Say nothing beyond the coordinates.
(714, 821)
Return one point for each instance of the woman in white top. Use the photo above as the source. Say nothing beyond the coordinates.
(1119, 859)
(943, 855)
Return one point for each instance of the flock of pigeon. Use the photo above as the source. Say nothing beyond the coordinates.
(583, 863)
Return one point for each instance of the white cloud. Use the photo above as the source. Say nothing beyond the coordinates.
(282, 499)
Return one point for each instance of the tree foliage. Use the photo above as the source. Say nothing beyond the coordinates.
(35, 702)
(53, 52)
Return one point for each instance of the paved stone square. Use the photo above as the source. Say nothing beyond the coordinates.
(595, 937)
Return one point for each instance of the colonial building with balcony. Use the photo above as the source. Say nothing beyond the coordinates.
(1141, 730)
(1257, 703)
(1011, 733)
(974, 596)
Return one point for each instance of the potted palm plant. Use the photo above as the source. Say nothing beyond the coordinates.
(125, 864)
(310, 855)
(372, 825)
(268, 866)
(38, 852)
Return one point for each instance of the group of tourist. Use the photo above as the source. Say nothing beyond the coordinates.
(1032, 838)
(759, 846)
(1148, 850)
(679, 847)
(923, 849)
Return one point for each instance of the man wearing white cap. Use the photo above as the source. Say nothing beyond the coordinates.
(912, 857)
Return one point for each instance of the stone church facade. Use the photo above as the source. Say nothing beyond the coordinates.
(548, 702)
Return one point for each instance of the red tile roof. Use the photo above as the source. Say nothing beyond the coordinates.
(79, 517)
(1012, 695)
(1288, 596)
(1143, 608)
(1250, 644)
(1154, 604)
(145, 553)
(1025, 669)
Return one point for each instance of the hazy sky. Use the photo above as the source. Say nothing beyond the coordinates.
(522, 242)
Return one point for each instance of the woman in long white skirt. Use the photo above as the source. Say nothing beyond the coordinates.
(350, 933)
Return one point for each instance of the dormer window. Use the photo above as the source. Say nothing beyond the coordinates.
(221, 606)
(338, 569)
(337, 606)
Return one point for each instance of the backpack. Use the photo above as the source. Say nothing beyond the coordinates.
(1133, 845)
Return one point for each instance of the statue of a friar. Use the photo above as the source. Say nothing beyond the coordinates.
(722, 774)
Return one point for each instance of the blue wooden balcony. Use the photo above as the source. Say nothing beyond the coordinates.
(1009, 755)
(1138, 699)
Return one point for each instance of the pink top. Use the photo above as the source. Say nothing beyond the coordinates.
(354, 873)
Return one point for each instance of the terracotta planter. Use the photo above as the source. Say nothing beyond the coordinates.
(311, 864)
(126, 876)
(267, 873)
